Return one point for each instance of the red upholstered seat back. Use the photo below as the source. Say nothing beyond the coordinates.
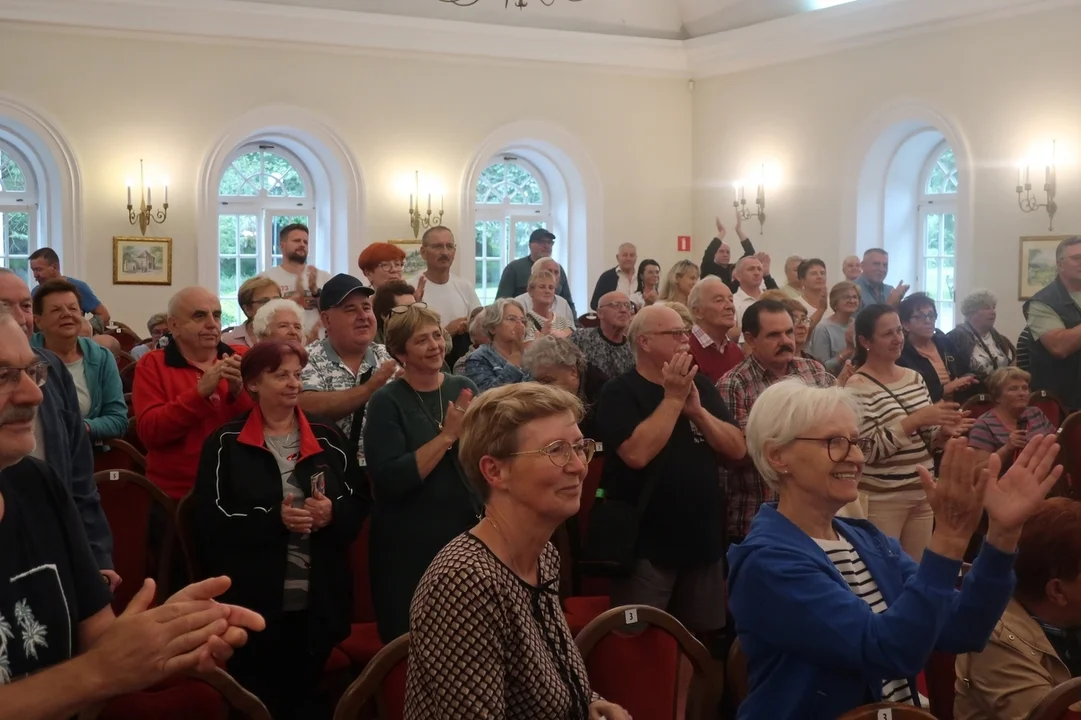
(176, 699)
(589, 494)
(363, 610)
(639, 672)
(393, 691)
(940, 676)
(1050, 406)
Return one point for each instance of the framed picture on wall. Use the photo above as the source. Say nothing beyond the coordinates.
(1037, 267)
(142, 261)
(414, 263)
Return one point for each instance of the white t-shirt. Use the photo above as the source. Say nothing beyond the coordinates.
(454, 299)
(82, 390)
(287, 283)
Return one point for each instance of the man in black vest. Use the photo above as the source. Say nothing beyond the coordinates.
(1054, 319)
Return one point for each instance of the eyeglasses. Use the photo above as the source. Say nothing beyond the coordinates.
(549, 243)
(10, 376)
(403, 309)
(679, 332)
(850, 298)
(514, 319)
(803, 321)
(389, 265)
(559, 452)
(442, 247)
(925, 317)
(617, 305)
(839, 447)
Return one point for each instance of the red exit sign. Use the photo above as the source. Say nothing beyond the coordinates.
(683, 243)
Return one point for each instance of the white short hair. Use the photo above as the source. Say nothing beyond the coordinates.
(540, 264)
(695, 295)
(787, 410)
(261, 322)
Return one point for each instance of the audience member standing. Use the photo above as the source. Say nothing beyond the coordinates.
(649, 283)
(714, 311)
(904, 428)
(422, 498)
(45, 264)
(345, 368)
(930, 353)
(793, 286)
(381, 263)
(666, 428)
(622, 278)
(389, 295)
(187, 391)
(559, 306)
(60, 436)
(748, 275)
(771, 357)
(605, 346)
(92, 367)
(500, 361)
(833, 342)
(872, 280)
(677, 285)
(453, 298)
(556, 361)
(976, 340)
(1054, 320)
(814, 289)
(514, 281)
(851, 269)
(253, 294)
(540, 318)
(278, 501)
(297, 280)
(717, 259)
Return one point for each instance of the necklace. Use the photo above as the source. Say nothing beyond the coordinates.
(424, 408)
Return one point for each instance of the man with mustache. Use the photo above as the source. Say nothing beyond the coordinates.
(185, 391)
(770, 345)
(61, 438)
(714, 313)
(665, 429)
(61, 647)
(298, 280)
(346, 366)
(454, 298)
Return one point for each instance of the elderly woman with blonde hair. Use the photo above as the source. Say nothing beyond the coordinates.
(541, 319)
(488, 638)
(831, 613)
(1012, 423)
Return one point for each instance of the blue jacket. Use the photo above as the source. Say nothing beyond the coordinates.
(108, 416)
(68, 452)
(815, 650)
(488, 369)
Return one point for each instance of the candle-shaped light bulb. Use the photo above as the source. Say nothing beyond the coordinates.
(148, 197)
(165, 181)
(410, 203)
(440, 204)
(129, 192)
(429, 203)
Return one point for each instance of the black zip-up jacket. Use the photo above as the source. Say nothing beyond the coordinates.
(238, 495)
(956, 366)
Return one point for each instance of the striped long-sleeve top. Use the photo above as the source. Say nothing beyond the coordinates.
(895, 455)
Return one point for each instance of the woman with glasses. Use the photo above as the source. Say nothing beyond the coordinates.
(904, 427)
(381, 262)
(557, 361)
(833, 342)
(930, 353)
(541, 319)
(253, 294)
(392, 294)
(157, 325)
(649, 282)
(500, 361)
(832, 613)
(681, 279)
(488, 637)
(422, 499)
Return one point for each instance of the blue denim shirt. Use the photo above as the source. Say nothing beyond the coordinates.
(488, 369)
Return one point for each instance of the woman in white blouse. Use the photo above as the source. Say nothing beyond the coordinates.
(542, 319)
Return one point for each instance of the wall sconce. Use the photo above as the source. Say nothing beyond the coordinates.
(415, 220)
(740, 203)
(1027, 201)
(145, 215)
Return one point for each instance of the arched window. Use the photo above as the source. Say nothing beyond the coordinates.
(18, 211)
(262, 189)
(512, 201)
(937, 235)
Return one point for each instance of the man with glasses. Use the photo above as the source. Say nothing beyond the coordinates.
(770, 345)
(297, 280)
(60, 437)
(453, 297)
(666, 429)
(346, 366)
(714, 311)
(1054, 321)
(515, 279)
(622, 278)
(605, 346)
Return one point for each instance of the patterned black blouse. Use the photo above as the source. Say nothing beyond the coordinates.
(485, 644)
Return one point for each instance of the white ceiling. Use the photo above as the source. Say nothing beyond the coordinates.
(664, 19)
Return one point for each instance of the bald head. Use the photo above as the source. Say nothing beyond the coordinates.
(614, 313)
(195, 321)
(657, 333)
(851, 268)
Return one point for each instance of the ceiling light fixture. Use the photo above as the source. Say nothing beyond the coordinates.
(520, 4)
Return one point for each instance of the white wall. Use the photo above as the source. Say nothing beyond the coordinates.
(119, 98)
(1005, 88)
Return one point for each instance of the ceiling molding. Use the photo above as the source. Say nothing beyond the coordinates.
(787, 39)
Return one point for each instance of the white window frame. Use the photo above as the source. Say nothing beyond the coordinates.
(508, 213)
(23, 201)
(265, 207)
(938, 204)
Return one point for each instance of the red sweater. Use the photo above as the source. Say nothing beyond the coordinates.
(173, 420)
(713, 362)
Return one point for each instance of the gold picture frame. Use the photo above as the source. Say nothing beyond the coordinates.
(142, 260)
(414, 264)
(1036, 266)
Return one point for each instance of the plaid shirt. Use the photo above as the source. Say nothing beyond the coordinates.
(740, 387)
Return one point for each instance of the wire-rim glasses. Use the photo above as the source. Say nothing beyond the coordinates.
(559, 452)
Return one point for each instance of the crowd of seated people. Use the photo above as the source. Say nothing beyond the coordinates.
(806, 477)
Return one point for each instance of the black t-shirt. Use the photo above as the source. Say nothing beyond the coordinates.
(684, 523)
(49, 582)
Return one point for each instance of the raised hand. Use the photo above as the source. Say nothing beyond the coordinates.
(957, 497)
(765, 260)
(1011, 499)
(678, 376)
(422, 282)
(721, 232)
(382, 375)
(897, 294)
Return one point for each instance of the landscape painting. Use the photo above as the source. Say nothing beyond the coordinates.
(414, 263)
(142, 261)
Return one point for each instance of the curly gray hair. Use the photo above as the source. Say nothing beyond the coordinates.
(493, 314)
(548, 351)
(263, 316)
(976, 301)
